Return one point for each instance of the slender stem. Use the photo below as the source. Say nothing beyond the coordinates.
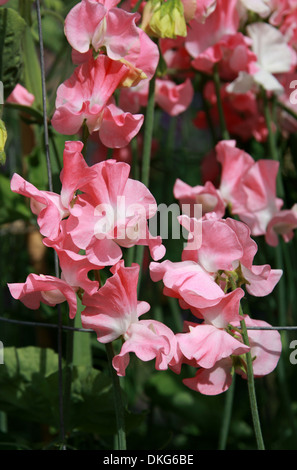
(50, 184)
(228, 406)
(118, 400)
(272, 142)
(217, 84)
(148, 134)
(251, 387)
(146, 157)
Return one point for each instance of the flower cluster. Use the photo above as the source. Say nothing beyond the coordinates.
(101, 212)
(247, 189)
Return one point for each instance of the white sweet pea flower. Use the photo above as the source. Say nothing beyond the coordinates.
(261, 7)
(274, 56)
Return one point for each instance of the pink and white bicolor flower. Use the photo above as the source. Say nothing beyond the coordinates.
(114, 312)
(86, 98)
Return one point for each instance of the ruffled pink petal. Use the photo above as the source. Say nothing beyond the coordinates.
(111, 310)
(225, 312)
(47, 289)
(208, 345)
(121, 34)
(118, 128)
(21, 95)
(172, 98)
(266, 347)
(261, 279)
(45, 204)
(75, 173)
(105, 252)
(148, 339)
(212, 381)
(81, 23)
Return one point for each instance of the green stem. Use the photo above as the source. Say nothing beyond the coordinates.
(118, 401)
(251, 387)
(227, 416)
(217, 84)
(148, 134)
(272, 142)
(146, 157)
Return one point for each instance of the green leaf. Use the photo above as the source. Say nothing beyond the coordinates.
(29, 390)
(12, 27)
(32, 73)
(12, 205)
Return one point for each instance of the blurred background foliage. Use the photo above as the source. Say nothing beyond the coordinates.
(161, 412)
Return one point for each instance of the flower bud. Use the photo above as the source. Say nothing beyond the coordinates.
(3, 137)
(164, 19)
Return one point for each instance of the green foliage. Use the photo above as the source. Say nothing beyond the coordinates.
(29, 391)
(12, 28)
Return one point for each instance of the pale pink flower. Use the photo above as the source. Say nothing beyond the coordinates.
(113, 213)
(283, 223)
(50, 207)
(114, 312)
(218, 39)
(46, 289)
(212, 381)
(86, 97)
(265, 347)
(207, 196)
(20, 95)
(207, 344)
(284, 17)
(274, 56)
(147, 339)
(114, 307)
(188, 282)
(249, 188)
(173, 98)
(235, 250)
(102, 25)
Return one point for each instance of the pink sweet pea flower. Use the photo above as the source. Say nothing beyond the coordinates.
(113, 213)
(282, 223)
(114, 307)
(101, 25)
(212, 381)
(249, 188)
(172, 98)
(50, 207)
(274, 56)
(208, 196)
(187, 281)
(266, 347)
(147, 339)
(284, 17)
(114, 312)
(20, 95)
(218, 38)
(235, 250)
(47, 289)
(207, 344)
(86, 97)
(45, 204)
